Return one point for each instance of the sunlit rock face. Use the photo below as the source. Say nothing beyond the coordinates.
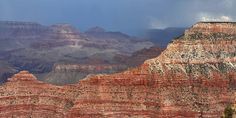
(203, 49)
(194, 77)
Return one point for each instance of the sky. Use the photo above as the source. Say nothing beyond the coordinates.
(129, 16)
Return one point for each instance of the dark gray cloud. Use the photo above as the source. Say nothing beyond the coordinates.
(123, 15)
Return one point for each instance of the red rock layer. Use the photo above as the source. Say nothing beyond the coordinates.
(137, 93)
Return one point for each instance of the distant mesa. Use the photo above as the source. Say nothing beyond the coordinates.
(23, 76)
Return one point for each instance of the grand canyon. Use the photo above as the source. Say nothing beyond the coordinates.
(62, 51)
(195, 76)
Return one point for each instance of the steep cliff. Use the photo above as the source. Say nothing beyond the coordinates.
(194, 77)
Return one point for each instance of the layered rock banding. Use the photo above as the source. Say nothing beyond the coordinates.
(194, 77)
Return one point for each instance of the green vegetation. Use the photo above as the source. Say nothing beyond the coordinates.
(229, 112)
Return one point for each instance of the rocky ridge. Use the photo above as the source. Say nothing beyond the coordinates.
(194, 77)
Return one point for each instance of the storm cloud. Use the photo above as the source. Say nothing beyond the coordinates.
(130, 16)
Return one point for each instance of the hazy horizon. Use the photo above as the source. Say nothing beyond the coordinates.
(128, 16)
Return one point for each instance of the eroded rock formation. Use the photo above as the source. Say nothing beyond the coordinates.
(194, 77)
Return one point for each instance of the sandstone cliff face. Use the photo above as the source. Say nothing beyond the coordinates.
(193, 77)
